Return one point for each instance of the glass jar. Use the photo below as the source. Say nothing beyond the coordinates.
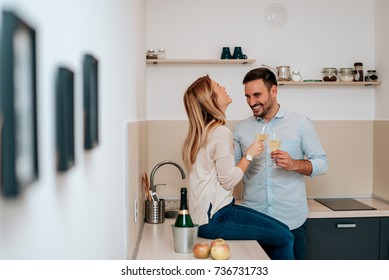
(161, 54)
(283, 73)
(346, 74)
(358, 72)
(371, 76)
(296, 76)
(151, 54)
(329, 74)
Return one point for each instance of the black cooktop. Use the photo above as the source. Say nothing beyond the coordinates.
(344, 204)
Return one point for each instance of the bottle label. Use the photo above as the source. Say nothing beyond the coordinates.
(183, 212)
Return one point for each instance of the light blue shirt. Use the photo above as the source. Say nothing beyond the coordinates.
(274, 191)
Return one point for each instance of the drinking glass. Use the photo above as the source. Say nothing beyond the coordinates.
(274, 144)
(262, 135)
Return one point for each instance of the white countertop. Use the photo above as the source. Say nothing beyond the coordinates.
(157, 239)
(157, 244)
(318, 210)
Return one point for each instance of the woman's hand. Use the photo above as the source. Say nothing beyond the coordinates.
(256, 148)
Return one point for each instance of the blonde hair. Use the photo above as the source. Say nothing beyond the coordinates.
(204, 115)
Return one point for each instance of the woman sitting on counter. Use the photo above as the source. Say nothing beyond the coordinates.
(209, 158)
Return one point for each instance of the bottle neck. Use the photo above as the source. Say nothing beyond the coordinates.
(183, 203)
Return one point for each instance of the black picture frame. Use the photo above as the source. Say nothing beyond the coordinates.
(64, 88)
(18, 105)
(91, 104)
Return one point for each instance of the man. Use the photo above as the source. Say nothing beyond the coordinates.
(278, 191)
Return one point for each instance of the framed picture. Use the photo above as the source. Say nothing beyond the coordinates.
(91, 96)
(18, 105)
(64, 88)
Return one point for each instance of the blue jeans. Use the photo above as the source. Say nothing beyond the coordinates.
(235, 222)
(300, 241)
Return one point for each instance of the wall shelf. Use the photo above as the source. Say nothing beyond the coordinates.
(200, 61)
(282, 83)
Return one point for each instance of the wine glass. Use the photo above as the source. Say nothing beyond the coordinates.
(262, 135)
(274, 144)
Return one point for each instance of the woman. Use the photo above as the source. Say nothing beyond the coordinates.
(208, 156)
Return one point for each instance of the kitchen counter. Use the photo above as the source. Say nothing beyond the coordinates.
(157, 244)
(157, 239)
(318, 210)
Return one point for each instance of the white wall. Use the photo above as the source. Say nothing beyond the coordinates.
(382, 58)
(80, 214)
(318, 34)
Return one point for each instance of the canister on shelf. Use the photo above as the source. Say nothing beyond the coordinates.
(283, 73)
(358, 72)
(329, 74)
(371, 76)
(151, 54)
(161, 54)
(346, 74)
(296, 76)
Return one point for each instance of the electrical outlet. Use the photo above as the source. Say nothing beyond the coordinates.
(135, 210)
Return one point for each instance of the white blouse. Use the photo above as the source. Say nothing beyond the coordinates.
(213, 176)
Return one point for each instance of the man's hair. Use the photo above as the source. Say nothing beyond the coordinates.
(265, 74)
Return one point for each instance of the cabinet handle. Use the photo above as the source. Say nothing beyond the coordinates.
(346, 225)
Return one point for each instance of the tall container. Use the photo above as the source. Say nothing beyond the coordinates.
(155, 211)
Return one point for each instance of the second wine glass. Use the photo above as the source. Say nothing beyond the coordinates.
(274, 144)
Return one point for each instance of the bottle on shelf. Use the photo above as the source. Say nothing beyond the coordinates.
(183, 218)
(358, 72)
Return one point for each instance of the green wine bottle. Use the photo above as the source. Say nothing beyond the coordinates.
(183, 218)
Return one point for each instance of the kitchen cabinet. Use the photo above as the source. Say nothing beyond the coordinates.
(200, 61)
(384, 238)
(362, 234)
(346, 238)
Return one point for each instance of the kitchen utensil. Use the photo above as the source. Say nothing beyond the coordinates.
(146, 187)
(155, 211)
(154, 196)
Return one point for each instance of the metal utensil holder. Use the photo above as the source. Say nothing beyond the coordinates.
(155, 211)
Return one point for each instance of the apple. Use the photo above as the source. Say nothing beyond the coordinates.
(218, 241)
(220, 251)
(201, 250)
